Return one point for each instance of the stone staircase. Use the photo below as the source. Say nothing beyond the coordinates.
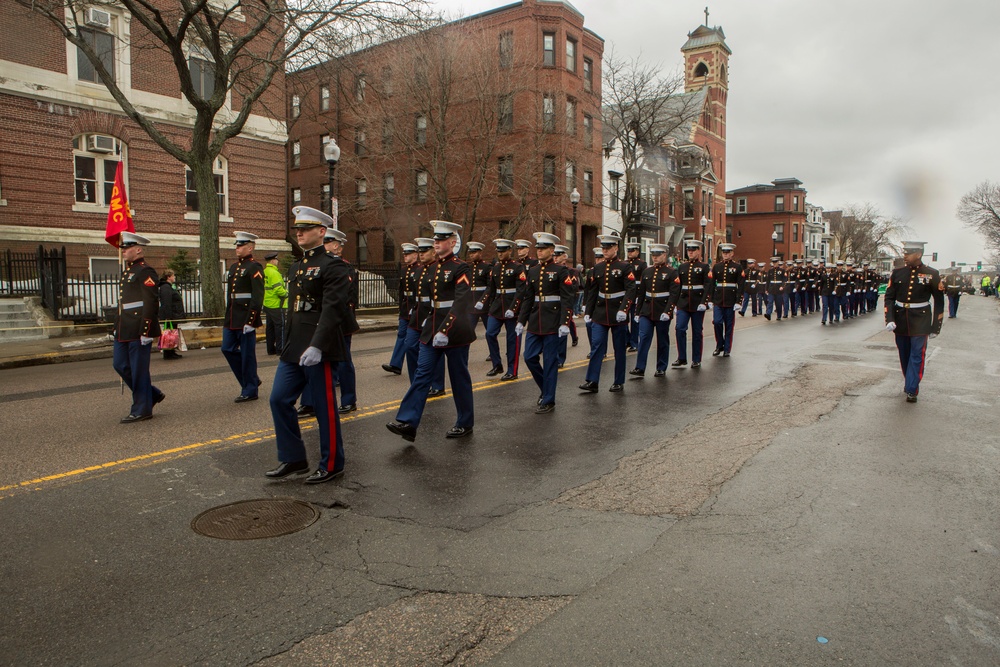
(24, 319)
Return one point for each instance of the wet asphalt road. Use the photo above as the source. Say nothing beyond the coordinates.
(101, 566)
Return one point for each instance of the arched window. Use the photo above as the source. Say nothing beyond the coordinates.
(701, 70)
(95, 161)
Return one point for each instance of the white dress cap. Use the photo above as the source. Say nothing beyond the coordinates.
(444, 229)
(244, 237)
(310, 217)
(544, 239)
(129, 239)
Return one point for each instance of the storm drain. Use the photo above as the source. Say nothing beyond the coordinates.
(878, 346)
(835, 357)
(255, 519)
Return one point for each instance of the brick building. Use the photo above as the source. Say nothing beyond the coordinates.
(62, 136)
(758, 211)
(490, 121)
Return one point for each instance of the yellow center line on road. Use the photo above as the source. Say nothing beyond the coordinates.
(251, 437)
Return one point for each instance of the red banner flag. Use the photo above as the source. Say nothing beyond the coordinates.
(119, 213)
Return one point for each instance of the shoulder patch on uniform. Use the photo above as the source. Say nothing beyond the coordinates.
(709, 275)
(258, 275)
(569, 280)
(631, 276)
(462, 279)
(149, 282)
(677, 280)
(522, 276)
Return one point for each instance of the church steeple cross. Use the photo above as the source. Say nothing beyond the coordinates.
(706, 16)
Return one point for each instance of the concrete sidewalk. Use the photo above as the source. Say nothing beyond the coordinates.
(97, 344)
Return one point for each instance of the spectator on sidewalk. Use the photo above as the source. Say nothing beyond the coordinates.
(275, 294)
(171, 307)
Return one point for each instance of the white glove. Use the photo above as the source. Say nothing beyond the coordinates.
(711, 305)
(664, 317)
(311, 356)
(621, 316)
(508, 314)
(479, 305)
(519, 329)
(146, 341)
(247, 328)
(586, 319)
(794, 291)
(635, 318)
(702, 307)
(933, 335)
(440, 340)
(891, 326)
(564, 331)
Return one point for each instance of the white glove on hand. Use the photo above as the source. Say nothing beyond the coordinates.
(635, 319)
(933, 335)
(621, 316)
(146, 341)
(508, 314)
(440, 340)
(311, 356)
(479, 305)
(519, 329)
(891, 326)
(702, 307)
(664, 317)
(564, 331)
(247, 328)
(586, 319)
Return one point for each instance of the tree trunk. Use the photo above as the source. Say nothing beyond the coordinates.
(212, 299)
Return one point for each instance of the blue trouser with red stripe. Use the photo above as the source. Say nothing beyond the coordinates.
(911, 358)
(619, 341)
(724, 320)
(493, 326)
(411, 408)
(546, 376)
(240, 350)
(289, 381)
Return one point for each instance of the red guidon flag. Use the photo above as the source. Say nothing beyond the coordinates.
(119, 213)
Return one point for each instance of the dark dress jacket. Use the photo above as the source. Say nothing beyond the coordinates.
(450, 281)
(547, 290)
(693, 281)
(658, 292)
(908, 299)
(244, 294)
(612, 290)
(318, 292)
(138, 303)
(502, 289)
(728, 283)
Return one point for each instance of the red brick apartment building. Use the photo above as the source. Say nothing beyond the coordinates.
(490, 121)
(759, 211)
(62, 135)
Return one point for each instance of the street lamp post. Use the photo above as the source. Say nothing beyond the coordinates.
(331, 151)
(774, 242)
(574, 198)
(704, 226)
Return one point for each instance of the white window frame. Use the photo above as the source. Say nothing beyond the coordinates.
(741, 204)
(324, 98)
(729, 206)
(112, 260)
(296, 109)
(219, 168)
(571, 57)
(121, 31)
(120, 155)
(296, 195)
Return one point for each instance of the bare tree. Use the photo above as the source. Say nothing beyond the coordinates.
(226, 54)
(644, 108)
(863, 232)
(980, 211)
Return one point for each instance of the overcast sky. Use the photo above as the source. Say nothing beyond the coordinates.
(892, 102)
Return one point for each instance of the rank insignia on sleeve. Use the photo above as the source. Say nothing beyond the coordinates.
(149, 282)
(462, 279)
(257, 275)
(568, 281)
(522, 276)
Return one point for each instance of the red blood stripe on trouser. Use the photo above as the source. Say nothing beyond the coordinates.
(331, 411)
(923, 359)
(517, 353)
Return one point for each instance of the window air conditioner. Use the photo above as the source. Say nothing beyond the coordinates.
(97, 18)
(98, 143)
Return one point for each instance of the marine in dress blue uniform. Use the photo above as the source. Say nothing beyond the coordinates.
(750, 289)
(347, 377)
(446, 333)
(612, 297)
(728, 283)
(655, 299)
(774, 281)
(318, 292)
(693, 279)
(421, 310)
(911, 291)
(502, 303)
(547, 290)
(561, 257)
(588, 286)
(136, 327)
(953, 286)
(638, 265)
(244, 304)
(480, 280)
(524, 257)
(826, 284)
(406, 291)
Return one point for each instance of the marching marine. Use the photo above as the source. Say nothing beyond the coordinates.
(612, 296)
(406, 291)
(693, 279)
(728, 282)
(655, 299)
(244, 303)
(502, 303)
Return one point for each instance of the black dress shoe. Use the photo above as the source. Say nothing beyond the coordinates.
(458, 432)
(135, 418)
(696, 364)
(589, 386)
(539, 401)
(285, 469)
(408, 433)
(159, 398)
(659, 374)
(630, 349)
(717, 352)
(545, 409)
(741, 313)
(496, 370)
(588, 355)
(388, 368)
(637, 371)
(767, 317)
(679, 364)
(910, 398)
(617, 388)
(321, 476)
(243, 399)
(353, 407)
(305, 411)
(435, 392)
(507, 377)
(725, 354)
(575, 341)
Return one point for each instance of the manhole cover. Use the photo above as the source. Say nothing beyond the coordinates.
(835, 357)
(255, 519)
(881, 347)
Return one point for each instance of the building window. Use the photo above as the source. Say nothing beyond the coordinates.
(387, 133)
(671, 194)
(506, 49)
(741, 204)
(505, 114)
(549, 227)
(549, 49)
(614, 193)
(202, 76)
(296, 154)
(103, 44)
(296, 106)
(548, 113)
(324, 197)
(420, 186)
(105, 267)
(780, 229)
(507, 228)
(506, 173)
(296, 195)
(549, 173)
(688, 204)
(795, 203)
(220, 171)
(570, 176)
(387, 89)
(388, 248)
(389, 189)
(588, 75)
(359, 88)
(571, 240)
(795, 233)
(571, 55)
(729, 206)
(360, 147)
(779, 202)
(324, 98)
(420, 129)
(570, 116)
(361, 238)
(361, 192)
(588, 131)
(706, 203)
(95, 161)
(588, 187)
